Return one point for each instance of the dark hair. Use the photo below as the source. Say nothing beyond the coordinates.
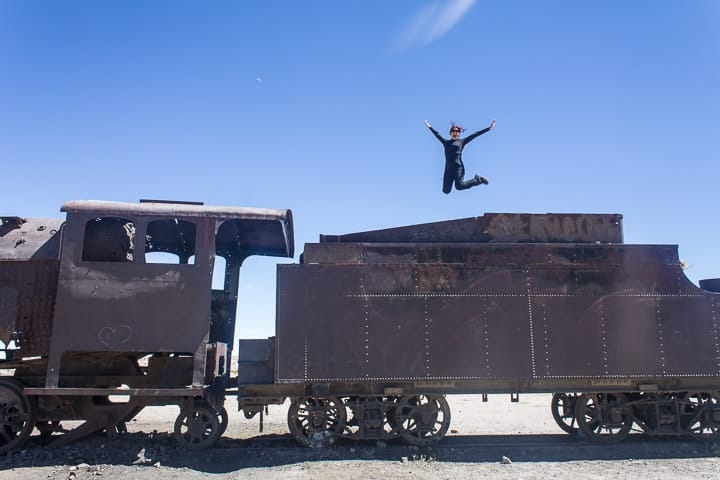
(456, 127)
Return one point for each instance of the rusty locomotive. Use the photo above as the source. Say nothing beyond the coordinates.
(113, 309)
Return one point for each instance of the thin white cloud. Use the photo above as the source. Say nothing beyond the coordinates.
(432, 22)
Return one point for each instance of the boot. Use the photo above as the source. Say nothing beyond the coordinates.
(481, 180)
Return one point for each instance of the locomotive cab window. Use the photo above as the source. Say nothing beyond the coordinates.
(170, 241)
(109, 239)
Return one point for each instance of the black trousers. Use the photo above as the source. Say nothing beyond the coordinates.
(456, 174)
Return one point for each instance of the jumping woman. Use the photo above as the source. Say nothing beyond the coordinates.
(454, 168)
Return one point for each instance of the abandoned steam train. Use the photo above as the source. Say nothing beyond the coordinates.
(373, 329)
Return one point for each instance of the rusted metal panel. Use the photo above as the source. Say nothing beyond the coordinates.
(132, 307)
(29, 262)
(528, 315)
(27, 300)
(688, 332)
(8, 312)
(500, 227)
(31, 238)
(500, 254)
(256, 361)
(130, 392)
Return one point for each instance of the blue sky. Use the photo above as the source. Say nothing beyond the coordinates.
(318, 106)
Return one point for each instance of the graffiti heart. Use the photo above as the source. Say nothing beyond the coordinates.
(114, 336)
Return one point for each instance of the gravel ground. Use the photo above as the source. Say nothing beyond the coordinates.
(482, 434)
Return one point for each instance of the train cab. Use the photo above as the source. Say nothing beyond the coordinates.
(137, 277)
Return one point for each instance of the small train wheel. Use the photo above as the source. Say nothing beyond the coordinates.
(317, 422)
(222, 416)
(603, 417)
(700, 415)
(422, 419)
(17, 416)
(563, 411)
(197, 427)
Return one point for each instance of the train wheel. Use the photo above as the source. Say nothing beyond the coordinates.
(603, 417)
(222, 416)
(422, 419)
(17, 416)
(701, 415)
(563, 411)
(391, 417)
(316, 422)
(197, 427)
(223, 420)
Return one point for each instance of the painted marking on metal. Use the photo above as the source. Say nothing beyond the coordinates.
(114, 336)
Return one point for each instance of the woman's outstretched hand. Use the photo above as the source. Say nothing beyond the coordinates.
(492, 125)
(427, 124)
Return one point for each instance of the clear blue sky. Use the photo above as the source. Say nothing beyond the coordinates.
(318, 106)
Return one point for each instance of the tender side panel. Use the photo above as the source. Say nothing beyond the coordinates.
(479, 337)
(637, 319)
(360, 322)
(396, 338)
(689, 335)
(319, 327)
(568, 336)
(542, 313)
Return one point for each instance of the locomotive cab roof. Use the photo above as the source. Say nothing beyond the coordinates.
(260, 231)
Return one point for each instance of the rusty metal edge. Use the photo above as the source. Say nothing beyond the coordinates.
(133, 392)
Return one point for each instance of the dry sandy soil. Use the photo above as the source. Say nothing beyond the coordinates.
(481, 434)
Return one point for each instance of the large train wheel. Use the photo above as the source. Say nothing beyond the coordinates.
(422, 419)
(603, 417)
(563, 411)
(197, 427)
(17, 416)
(700, 414)
(316, 422)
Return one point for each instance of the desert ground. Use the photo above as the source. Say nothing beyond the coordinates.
(497, 439)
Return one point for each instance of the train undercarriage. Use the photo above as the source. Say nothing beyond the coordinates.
(611, 417)
(105, 391)
(416, 419)
(319, 421)
(424, 419)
